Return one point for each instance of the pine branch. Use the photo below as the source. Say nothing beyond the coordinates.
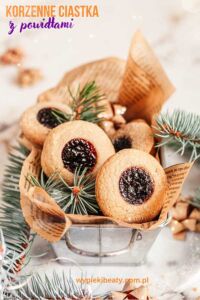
(16, 231)
(21, 287)
(182, 130)
(174, 145)
(57, 287)
(85, 105)
(79, 198)
(9, 278)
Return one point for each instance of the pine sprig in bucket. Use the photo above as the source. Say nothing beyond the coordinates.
(85, 105)
(180, 130)
(57, 286)
(78, 198)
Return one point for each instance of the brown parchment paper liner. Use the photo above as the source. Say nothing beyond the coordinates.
(141, 84)
(145, 85)
(46, 218)
(107, 73)
(41, 213)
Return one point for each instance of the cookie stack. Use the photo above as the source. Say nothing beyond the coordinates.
(130, 182)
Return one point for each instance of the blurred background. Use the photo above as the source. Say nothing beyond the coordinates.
(173, 29)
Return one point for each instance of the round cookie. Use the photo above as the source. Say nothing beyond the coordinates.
(38, 120)
(131, 186)
(135, 135)
(75, 144)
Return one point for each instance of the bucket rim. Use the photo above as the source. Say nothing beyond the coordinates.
(112, 225)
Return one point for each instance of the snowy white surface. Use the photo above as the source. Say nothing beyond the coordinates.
(172, 27)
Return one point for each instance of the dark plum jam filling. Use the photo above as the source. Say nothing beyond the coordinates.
(79, 153)
(46, 118)
(136, 185)
(123, 142)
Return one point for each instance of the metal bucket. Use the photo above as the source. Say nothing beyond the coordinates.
(107, 244)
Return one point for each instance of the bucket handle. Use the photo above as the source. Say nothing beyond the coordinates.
(135, 235)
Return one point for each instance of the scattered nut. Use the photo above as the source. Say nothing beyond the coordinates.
(28, 77)
(12, 56)
(119, 109)
(108, 112)
(118, 121)
(108, 127)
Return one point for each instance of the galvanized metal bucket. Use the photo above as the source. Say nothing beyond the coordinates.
(107, 244)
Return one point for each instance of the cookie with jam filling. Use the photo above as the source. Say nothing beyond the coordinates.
(38, 120)
(131, 186)
(75, 144)
(134, 135)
